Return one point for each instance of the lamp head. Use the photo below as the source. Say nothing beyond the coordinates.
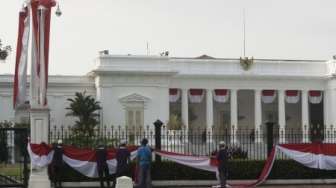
(58, 11)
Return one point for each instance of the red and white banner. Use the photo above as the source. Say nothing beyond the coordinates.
(40, 154)
(268, 96)
(82, 160)
(202, 163)
(207, 164)
(196, 95)
(314, 155)
(292, 96)
(41, 10)
(221, 95)
(20, 77)
(174, 94)
(315, 96)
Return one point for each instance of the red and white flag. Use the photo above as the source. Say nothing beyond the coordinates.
(41, 10)
(20, 77)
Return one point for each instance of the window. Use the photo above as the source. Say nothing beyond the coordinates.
(134, 117)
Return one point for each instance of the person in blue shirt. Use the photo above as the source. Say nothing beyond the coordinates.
(144, 159)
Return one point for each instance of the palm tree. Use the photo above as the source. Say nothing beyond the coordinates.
(85, 108)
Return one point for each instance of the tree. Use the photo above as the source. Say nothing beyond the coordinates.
(85, 108)
(4, 51)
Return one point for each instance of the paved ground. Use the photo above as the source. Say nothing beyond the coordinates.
(279, 186)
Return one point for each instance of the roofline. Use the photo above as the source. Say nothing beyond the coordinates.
(258, 59)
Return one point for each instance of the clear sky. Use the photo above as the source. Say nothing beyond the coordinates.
(286, 29)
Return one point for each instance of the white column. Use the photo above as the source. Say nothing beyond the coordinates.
(39, 132)
(209, 114)
(234, 116)
(304, 116)
(332, 126)
(329, 111)
(282, 116)
(257, 116)
(185, 112)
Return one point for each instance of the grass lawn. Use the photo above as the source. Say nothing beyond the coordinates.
(11, 169)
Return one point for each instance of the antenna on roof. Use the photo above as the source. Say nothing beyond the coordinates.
(148, 48)
(244, 40)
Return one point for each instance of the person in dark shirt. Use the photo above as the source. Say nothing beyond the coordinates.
(222, 158)
(103, 171)
(123, 160)
(57, 163)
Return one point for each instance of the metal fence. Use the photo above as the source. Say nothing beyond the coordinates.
(245, 144)
(13, 157)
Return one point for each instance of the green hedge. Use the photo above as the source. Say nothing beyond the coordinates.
(282, 169)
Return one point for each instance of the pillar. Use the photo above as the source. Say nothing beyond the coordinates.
(39, 132)
(282, 116)
(234, 115)
(304, 116)
(257, 116)
(185, 112)
(329, 118)
(209, 114)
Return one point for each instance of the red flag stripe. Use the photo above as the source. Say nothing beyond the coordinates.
(22, 17)
(222, 92)
(196, 91)
(173, 91)
(268, 92)
(292, 93)
(315, 93)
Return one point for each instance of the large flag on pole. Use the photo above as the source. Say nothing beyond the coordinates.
(20, 78)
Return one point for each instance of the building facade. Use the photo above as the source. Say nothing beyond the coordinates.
(205, 93)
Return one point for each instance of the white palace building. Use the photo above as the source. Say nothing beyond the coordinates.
(208, 93)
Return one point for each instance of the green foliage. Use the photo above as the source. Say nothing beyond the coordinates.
(85, 108)
(175, 122)
(4, 51)
(90, 142)
(316, 133)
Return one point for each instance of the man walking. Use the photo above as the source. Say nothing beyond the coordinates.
(144, 158)
(57, 163)
(103, 171)
(222, 158)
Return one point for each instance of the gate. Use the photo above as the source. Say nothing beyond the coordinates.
(13, 157)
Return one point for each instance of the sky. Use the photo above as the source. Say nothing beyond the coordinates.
(276, 29)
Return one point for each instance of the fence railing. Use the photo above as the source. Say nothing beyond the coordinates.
(244, 144)
(13, 157)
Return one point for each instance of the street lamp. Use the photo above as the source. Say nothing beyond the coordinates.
(58, 10)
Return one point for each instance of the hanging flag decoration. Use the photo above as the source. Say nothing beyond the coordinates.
(221, 95)
(292, 96)
(196, 95)
(174, 94)
(312, 155)
(40, 11)
(20, 77)
(82, 160)
(268, 96)
(315, 96)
